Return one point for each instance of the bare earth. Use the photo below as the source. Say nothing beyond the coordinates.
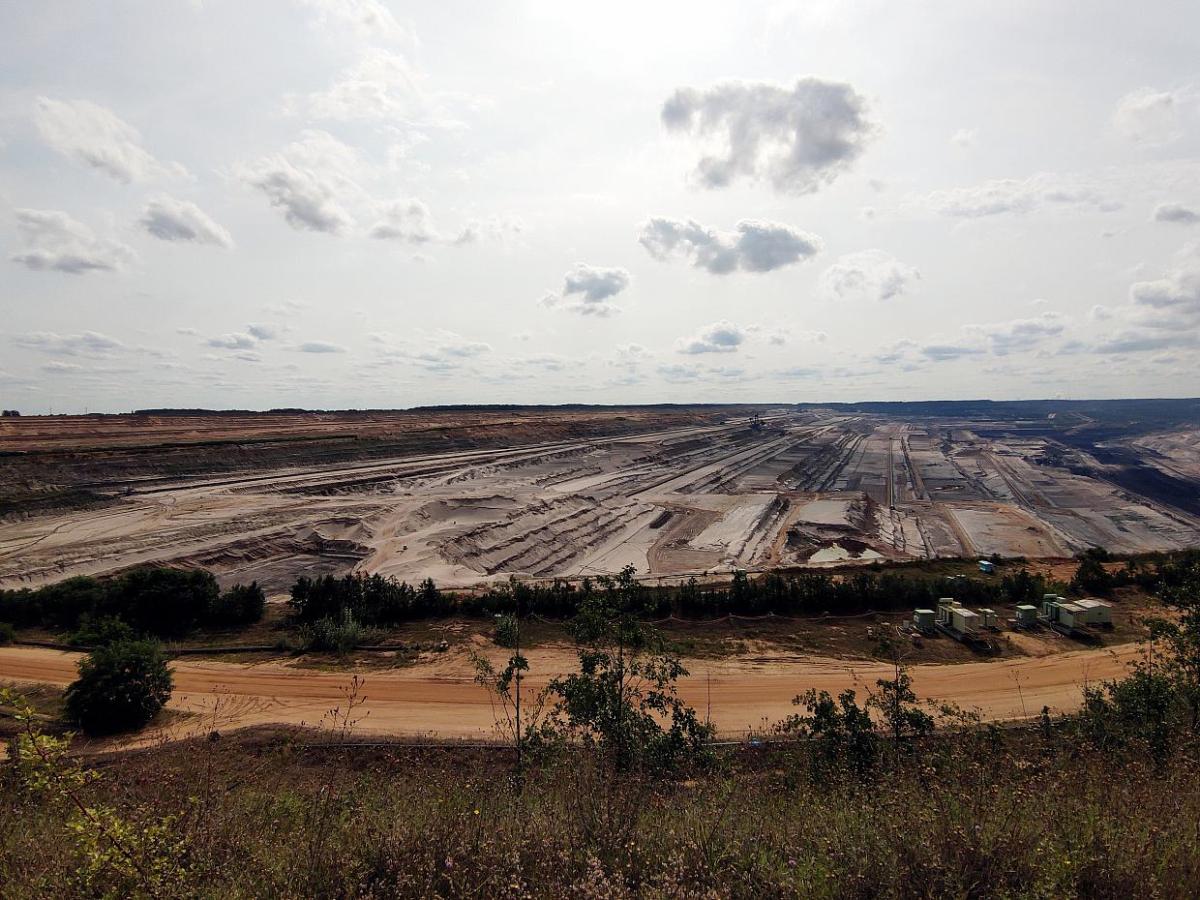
(672, 493)
(439, 699)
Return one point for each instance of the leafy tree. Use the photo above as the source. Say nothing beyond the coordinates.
(120, 687)
(1091, 577)
(7, 634)
(242, 604)
(623, 699)
(896, 702)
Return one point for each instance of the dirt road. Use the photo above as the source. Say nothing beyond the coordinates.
(440, 699)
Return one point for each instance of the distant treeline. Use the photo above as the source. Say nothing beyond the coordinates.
(172, 603)
(156, 601)
(378, 601)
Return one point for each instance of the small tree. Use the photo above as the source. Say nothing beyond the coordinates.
(1091, 577)
(896, 701)
(120, 687)
(623, 699)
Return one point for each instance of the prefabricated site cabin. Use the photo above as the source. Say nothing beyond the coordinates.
(1098, 612)
(986, 566)
(1026, 614)
(924, 619)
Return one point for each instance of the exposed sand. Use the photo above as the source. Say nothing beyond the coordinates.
(807, 489)
(440, 698)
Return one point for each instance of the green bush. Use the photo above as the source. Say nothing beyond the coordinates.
(507, 631)
(120, 687)
(8, 634)
(330, 635)
(101, 632)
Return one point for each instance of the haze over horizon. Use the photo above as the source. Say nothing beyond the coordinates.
(369, 204)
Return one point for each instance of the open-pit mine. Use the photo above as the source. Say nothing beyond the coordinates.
(466, 497)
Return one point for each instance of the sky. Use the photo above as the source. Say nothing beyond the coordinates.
(376, 204)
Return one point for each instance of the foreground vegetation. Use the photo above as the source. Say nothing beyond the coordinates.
(1031, 814)
(610, 787)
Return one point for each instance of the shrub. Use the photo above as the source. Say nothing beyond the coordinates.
(120, 687)
(507, 631)
(340, 635)
(8, 634)
(101, 632)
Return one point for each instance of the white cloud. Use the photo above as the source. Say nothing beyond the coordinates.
(320, 347)
(406, 220)
(869, 274)
(95, 136)
(262, 332)
(308, 181)
(1176, 213)
(1018, 335)
(797, 139)
(382, 85)
(1150, 117)
(1008, 195)
(88, 343)
(593, 286)
(170, 219)
(595, 283)
(719, 337)
(55, 242)
(754, 246)
(236, 341)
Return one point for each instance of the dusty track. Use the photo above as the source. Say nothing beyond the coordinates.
(440, 699)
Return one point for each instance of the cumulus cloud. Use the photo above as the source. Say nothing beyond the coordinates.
(594, 283)
(719, 337)
(588, 290)
(1011, 195)
(262, 332)
(53, 241)
(1171, 302)
(94, 136)
(1177, 213)
(308, 182)
(796, 139)
(236, 341)
(869, 274)
(406, 220)
(1147, 116)
(320, 347)
(169, 219)
(754, 246)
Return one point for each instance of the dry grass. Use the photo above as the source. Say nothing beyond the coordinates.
(984, 814)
